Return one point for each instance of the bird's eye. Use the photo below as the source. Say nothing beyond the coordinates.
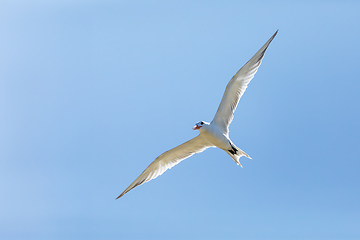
(202, 123)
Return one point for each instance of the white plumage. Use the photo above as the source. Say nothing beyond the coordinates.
(214, 134)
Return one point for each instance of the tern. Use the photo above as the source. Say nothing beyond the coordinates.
(213, 134)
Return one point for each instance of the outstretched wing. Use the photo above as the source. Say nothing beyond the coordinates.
(236, 88)
(169, 159)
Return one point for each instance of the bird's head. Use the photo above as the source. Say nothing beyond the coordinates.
(199, 125)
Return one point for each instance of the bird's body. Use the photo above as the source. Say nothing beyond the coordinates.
(217, 138)
(214, 134)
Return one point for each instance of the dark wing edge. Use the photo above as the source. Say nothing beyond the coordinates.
(237, 86)
(167, 160)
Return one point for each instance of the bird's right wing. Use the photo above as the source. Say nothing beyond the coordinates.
(236, 88)
(169, 159)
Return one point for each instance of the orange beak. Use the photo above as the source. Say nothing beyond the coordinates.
(196, 127)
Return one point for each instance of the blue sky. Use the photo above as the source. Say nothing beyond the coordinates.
(91, 92)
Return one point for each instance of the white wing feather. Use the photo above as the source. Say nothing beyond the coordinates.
(236, 88)
(169, 159)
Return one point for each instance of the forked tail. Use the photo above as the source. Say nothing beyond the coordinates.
(235, 153)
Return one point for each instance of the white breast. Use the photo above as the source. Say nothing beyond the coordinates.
(216, 137)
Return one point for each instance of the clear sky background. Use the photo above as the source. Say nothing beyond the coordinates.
(91, 92)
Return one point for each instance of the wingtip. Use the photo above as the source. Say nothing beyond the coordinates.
(119, 196)
(273, 36)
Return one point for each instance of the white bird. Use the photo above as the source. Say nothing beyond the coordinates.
(214, 134)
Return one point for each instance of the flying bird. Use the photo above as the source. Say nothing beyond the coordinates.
(213, 134)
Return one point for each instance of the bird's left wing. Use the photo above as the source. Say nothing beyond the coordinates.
(236, 88)
(169, 159)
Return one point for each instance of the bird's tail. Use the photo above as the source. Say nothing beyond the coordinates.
(236, 153)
